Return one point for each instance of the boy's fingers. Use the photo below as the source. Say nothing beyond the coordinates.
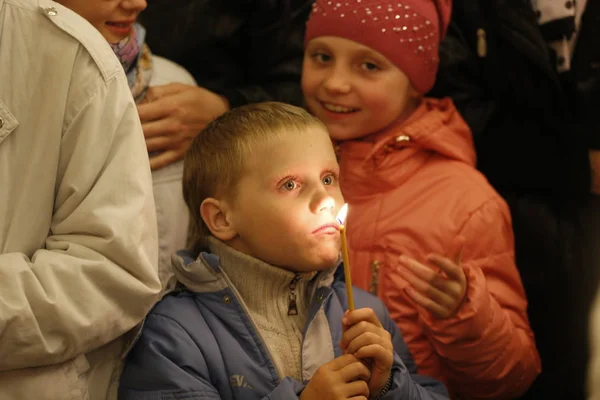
(367, 339)
(361, 314)
(358, 329)
(354, 371)
(341, 362)
(377, 353)
(357, 390)
(355, 331)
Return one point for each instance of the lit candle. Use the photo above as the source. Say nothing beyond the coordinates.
(341, 217)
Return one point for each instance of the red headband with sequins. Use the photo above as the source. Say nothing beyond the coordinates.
(407, 32)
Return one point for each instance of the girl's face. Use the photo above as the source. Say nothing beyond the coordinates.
(354, 90)
(113, 18)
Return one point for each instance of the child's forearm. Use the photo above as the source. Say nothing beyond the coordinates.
(500, 353)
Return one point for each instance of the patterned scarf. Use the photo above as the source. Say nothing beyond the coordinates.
(559, 22)
(136, 59)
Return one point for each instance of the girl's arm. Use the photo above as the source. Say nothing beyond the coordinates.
(487, 346)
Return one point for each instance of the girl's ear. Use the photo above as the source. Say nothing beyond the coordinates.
(215, 214)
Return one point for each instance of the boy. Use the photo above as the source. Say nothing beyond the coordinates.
(261, 314)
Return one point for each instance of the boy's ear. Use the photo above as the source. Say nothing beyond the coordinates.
(215, 214)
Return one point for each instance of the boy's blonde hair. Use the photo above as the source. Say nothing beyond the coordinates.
(216, 159)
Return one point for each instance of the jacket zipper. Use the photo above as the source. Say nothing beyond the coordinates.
(374, 286)
(292, 305)
(268, 354)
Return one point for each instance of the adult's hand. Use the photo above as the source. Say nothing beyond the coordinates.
(172, 115)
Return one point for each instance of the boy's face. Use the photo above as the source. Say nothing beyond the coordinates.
(353, 89)
(286, 203)
(113, 18)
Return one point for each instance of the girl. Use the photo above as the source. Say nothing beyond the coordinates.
(116, 21)
(408, 174)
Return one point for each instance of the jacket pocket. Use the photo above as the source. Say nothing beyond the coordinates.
(8, 122)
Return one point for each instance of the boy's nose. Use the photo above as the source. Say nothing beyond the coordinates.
(323, 202)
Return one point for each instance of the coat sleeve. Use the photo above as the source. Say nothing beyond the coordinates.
(498, 356)
(95, 276)
(166, 363)
(549, 156)
(274, 38)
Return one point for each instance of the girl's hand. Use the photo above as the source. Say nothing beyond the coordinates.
(441, 293)
(365, 338)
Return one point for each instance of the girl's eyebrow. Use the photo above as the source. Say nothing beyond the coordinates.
(316, 43)
(368, 53)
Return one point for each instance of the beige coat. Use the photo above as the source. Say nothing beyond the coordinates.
(78, 247)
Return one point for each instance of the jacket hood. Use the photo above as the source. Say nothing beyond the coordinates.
(386, 159)
(435, 126)
(200, 271)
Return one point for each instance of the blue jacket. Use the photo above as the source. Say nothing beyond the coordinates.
(200, 343)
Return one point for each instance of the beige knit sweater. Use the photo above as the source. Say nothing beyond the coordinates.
(267, 293)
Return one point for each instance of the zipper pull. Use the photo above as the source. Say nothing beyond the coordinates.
(292, 306)
(481, 43)
(374, 277)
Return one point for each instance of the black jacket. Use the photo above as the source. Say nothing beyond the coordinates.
(532, 131)
(246, 50)
(532, 128)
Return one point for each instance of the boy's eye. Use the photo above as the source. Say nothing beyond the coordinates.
(369, 66)
(289, 185)
(328, 180)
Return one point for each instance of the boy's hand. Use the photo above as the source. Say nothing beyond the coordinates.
(342, 378)
(442, 293)
(365, 338)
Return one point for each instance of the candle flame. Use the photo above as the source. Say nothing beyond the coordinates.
(341, 217)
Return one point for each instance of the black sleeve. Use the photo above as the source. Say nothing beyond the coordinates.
(246, 50)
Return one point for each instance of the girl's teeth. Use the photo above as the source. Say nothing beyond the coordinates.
(339, 109)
